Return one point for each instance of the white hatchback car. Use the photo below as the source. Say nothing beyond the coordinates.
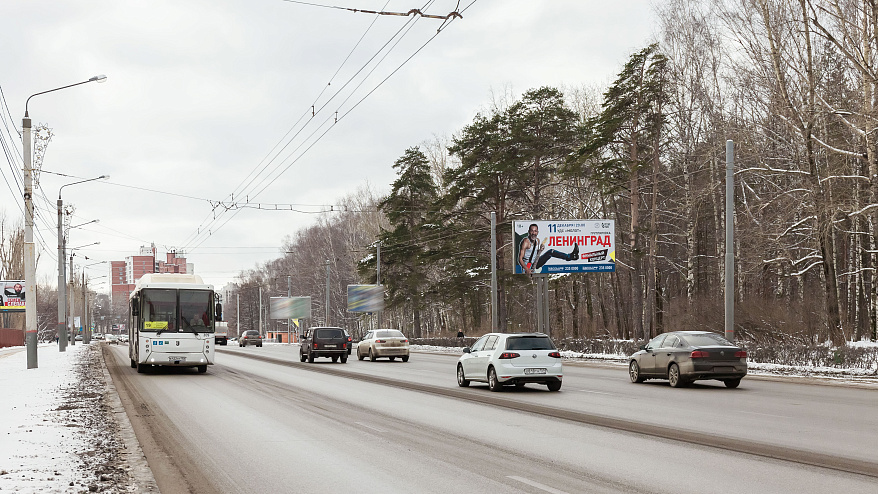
(511, 358)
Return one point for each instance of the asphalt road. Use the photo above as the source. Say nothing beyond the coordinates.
(273, 424)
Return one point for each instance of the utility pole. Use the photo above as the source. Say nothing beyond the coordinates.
(260, 311)
(238, 315)
(494, 271)
(62, 284)
(30, 286)
(730, 240)
(326, 318)
(71, 318)
(86, 334)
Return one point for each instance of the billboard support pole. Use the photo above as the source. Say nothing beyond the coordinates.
(493, 272)
(289, 294)
(378, 279)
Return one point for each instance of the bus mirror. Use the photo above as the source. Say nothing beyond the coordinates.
(219, 311)
(135, 306)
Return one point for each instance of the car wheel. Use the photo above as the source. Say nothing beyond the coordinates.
(392, 359)
(334, 359)
(493, 383)
(554, 385)
(732, 383)
(202, 369)
(344, 359)
(259, 345)
(360, 356)
(372, 356)
(405, 358)
(243, 343)
(674, 377)
(311, 358)
(634, 372)
(301, 356)
(461, 380)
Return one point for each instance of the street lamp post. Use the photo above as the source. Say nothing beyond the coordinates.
(62, 275)
(70, 304)
(30, 268)
(86, 324)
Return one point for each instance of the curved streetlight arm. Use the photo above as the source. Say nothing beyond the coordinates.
(80, 182)
(97, 78)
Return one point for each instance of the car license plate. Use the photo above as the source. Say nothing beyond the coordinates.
(329, 346)
(177, 359)
(724, 369)
(535, 371)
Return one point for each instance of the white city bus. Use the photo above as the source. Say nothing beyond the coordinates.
(171, 322)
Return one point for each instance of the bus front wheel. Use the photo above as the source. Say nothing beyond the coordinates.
(133, 364)
(141, 368)
(202, 369)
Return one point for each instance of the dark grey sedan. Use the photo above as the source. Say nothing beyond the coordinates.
(682, 357)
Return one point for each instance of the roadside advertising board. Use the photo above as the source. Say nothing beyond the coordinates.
(564, 246)
(289, 308)
(12, 295)
(365, 298)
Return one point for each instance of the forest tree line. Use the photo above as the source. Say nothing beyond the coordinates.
(792, 82)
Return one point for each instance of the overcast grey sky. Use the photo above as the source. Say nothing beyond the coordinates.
(199, 92)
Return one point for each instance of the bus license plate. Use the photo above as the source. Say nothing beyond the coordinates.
(534, 371)
(176, 359)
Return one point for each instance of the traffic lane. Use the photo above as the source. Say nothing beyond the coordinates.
(446, 444)
(835, 420)
(286, 437)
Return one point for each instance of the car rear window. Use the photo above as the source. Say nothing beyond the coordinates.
(252, 333)
(330, 333)
(529, 343)
(707, 339)
(390, 333)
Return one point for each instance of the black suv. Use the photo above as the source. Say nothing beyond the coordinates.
(324, 342)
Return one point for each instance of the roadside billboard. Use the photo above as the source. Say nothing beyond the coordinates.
(12, 295)
(365, 298)
(564, 246)
(290, 307)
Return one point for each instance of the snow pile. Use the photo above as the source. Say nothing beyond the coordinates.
(57, 432)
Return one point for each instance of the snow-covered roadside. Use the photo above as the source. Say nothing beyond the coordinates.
(60, 426)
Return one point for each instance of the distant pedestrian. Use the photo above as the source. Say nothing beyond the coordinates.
(460, 334)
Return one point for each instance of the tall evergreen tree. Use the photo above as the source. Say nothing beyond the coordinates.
(621, 142)
(409, 210)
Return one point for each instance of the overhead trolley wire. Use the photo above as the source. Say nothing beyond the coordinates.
(205, 225)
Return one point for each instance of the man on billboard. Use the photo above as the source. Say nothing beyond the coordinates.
(529, 257)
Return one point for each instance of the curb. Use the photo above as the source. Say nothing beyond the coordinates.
(132, 457)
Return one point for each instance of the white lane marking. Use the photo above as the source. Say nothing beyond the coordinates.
(536, 484)
(766, 414)
(369, 427)
(595, 392)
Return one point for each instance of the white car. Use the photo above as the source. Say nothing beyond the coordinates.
(389, 343)
(511, 358)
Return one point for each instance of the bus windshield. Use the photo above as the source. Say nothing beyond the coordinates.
(195, 311)
(161, 311)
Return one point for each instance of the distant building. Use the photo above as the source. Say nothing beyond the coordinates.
(124, 274)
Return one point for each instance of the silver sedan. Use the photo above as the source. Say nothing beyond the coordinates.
(378, 343)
